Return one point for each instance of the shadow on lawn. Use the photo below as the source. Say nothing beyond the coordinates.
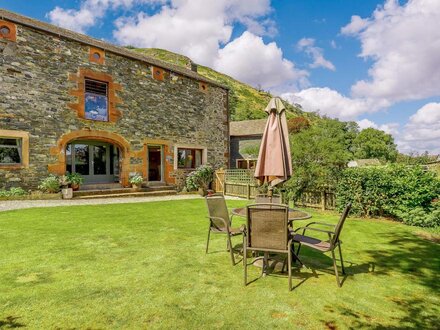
(410, 256)
(10, 322)
(417, 315)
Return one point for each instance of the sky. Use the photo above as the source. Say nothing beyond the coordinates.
(375, 62)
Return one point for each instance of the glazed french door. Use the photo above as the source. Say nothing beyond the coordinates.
(95, 161)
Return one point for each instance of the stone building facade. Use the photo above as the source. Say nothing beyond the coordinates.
(69, 102)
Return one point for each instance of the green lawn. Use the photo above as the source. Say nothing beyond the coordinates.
(138, 266)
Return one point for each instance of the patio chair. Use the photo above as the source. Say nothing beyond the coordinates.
(220, 222)
(267, 231)
(324, 246)
(262, 198)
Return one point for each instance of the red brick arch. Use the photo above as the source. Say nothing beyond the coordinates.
(59, 150)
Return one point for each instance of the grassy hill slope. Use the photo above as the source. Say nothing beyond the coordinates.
(245, 101)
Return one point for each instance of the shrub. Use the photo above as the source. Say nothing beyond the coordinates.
(200, 178)
(423, 218)
(397, 190)
(51, 184)
(297, 124)
(12, 192)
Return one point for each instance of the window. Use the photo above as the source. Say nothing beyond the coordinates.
(5, 31)
(10, 151)
(96, 100)
(8, 30)
(246, 163)
(189, 158)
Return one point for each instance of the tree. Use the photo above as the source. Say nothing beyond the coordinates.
(319, 153)
(373, 143)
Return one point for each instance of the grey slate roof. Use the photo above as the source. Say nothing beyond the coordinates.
(68, 34)
(247, 127)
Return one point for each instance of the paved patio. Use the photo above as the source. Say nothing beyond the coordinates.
(25, 204)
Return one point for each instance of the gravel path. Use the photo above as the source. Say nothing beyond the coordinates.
(26, 204)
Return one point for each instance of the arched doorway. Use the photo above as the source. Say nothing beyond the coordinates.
(99, 156)
(94, 160)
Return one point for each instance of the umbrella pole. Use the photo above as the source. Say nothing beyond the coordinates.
(270, 193)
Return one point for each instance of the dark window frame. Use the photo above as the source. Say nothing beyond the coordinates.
(193, 154)
(18, 146)
(96, 88)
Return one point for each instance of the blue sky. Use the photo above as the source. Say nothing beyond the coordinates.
(370, 61)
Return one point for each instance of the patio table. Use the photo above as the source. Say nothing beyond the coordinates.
(294, 214)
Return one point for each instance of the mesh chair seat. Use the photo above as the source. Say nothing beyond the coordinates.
(312, 242)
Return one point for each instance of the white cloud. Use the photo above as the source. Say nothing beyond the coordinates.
(194, 28)
(422, 132)
(266, 67)
(331, 103)
(89, 13)
(201, 30)
(308, 46)
(403, 43)
(390, 128)
(190, 34)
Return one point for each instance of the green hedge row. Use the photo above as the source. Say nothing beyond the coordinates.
(404, 192)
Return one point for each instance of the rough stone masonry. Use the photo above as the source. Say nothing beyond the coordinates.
(42, 71)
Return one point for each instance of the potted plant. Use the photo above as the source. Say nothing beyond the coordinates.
(136, 181)
(75, 180)
(66, 191)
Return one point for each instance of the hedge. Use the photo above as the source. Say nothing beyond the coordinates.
(404, 192)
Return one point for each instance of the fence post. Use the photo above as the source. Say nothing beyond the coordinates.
(323, 200)
(248, 193)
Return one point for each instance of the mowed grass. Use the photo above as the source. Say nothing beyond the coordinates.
(143, 266)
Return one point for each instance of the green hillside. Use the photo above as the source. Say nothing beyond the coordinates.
(245, 101)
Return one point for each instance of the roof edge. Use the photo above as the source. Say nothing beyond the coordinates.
(85, 39)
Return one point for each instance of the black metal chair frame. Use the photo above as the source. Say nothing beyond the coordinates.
(333, 239)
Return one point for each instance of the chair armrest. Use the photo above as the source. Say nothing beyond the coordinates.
(320, 223)
(226, 223)
(315, 229)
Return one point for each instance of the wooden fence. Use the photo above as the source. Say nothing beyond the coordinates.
(236, 182)
(241, 183)
(324, 200)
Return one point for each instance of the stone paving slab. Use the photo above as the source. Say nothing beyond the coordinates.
(26, 204)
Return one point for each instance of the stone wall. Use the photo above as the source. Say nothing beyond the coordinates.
(37, 93)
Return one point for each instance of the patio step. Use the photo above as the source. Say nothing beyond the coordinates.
(125, 192)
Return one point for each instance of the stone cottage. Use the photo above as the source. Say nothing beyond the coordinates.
(71, 103)
(245, 137)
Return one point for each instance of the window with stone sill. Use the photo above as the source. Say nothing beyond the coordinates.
(96, 100)
(11, 151)
(189, 158)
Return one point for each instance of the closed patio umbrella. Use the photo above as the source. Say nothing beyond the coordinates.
(274, 164)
